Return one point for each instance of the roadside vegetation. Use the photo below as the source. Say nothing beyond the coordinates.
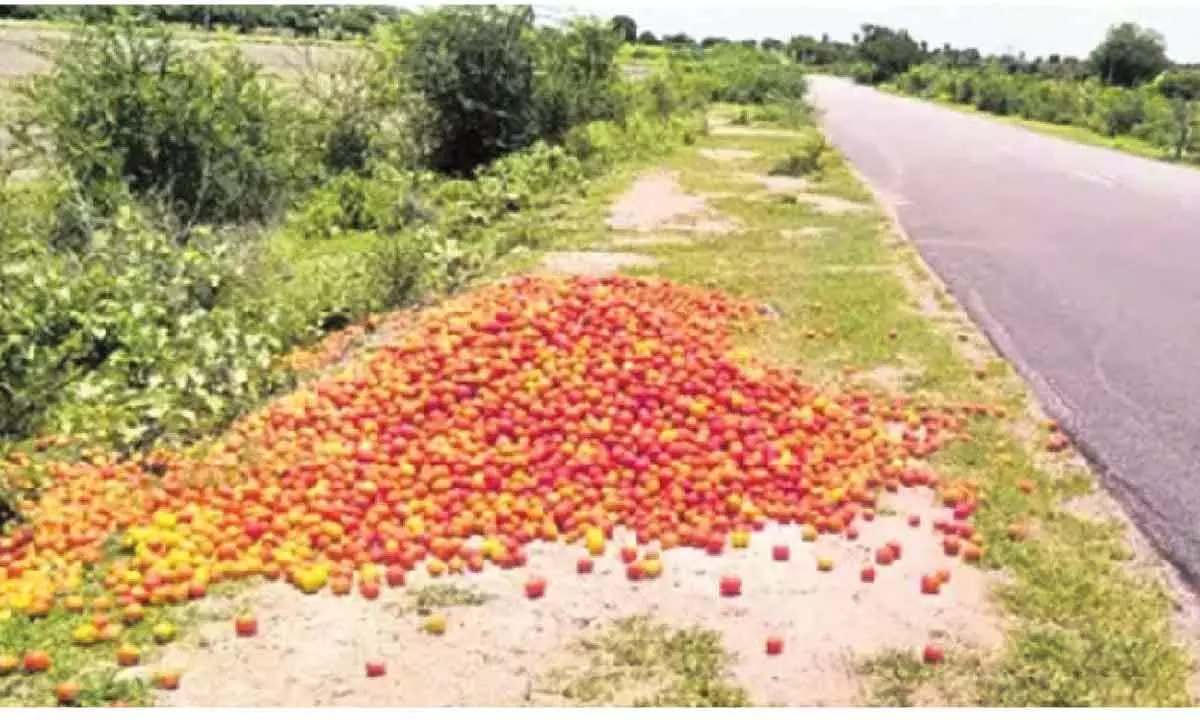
(192, 219)
(1127, 94)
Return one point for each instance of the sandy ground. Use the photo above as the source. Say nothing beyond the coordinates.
(656, 202)
(311, 650)
(593, 263)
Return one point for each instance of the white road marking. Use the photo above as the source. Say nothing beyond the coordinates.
(1097, 179)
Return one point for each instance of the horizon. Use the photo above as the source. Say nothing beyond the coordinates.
(1037, 30)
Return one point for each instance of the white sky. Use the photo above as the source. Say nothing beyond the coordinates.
(1069, 27)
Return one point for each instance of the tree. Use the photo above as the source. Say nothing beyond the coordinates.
(1129, 55)
(712, 41)
(627, 26)
(647, 38)
(1182, 88)
(678, 39)
(577, 76)
(771, 45)
(473, 67)
(891, 52)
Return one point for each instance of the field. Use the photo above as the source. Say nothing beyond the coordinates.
(22, 51)
(699, 429)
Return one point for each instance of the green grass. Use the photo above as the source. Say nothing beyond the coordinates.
(897, 676)
(661, 667)
(1085, 629)
(1083, 135)
(93, 667)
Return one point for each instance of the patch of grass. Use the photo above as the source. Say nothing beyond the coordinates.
(94, 667)
(428, 598)
(896, 676)
(670, 667)
(1086, 629)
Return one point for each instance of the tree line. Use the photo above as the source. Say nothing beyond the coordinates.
(334, 21)
(1126, 86)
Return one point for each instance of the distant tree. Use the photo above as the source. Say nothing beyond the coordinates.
(627, 26)
(647, 38)
(748, 43)
(891, 52)
(1129, 55)
(711, 41)
(678, 39)
(771, 44)
(1182, 88)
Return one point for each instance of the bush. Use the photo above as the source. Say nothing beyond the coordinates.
(130, 339)
(200, 135)
(578, 80)
(358, 114)
(1143, 112)
(1118, 111)
(751, 76)
(474, 68)
(804, 160)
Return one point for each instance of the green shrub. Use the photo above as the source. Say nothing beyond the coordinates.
(1112, 111)
(385, 199)
(748, 75)
(803, 160)
(199, 134)
(473, 66)
(789, 113)
(357, 113)
(578, 80)
(1118, 111)
(130, 339)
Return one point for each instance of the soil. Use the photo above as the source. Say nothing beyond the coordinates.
(747, 131)
(311, 650)
(593, 263)
(656, 202)
(652, 239)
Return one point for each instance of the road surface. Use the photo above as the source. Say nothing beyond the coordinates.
(1081, 264)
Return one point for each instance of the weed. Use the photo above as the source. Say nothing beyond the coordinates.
(428, 598)
(666, 667)
(802, 161)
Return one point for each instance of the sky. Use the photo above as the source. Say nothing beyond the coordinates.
(1068, 27)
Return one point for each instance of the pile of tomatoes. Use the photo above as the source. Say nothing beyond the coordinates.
(534, 409)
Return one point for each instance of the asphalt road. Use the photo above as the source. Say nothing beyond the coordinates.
(1081, 264)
